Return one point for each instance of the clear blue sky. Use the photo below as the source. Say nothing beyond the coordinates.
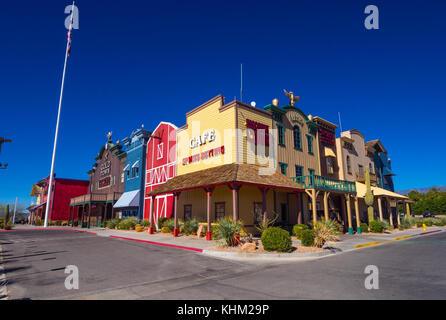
(140, 62)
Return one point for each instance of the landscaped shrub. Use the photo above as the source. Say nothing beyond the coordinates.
(429, 222)
(276, 239)
(443, 220)
(40, 222)
(405, 224)
(139, 228)
(127, 224)
(438, 223)
(161, 222)
(376, 226)
(145, 223)
(364, 227)
(169, 224)
(113, 223)
(297, 230)
(191, 226)
(165, 230)
(324, 231)
(225, 230)
(385, 224)
(419, 224)
(307, 238)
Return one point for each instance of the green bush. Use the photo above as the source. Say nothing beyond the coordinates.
(428, 222)
(438, 223)
(324, 231)
(376, 226)
(113, 223)
(364, 227)
(419, 224)
(191, 226)
(276, 239)
(385, 224)
(169, 224)
(443, 220)
(297, 230)
(145, 223)
(307, 238)
(405, 224)
(225, 231)
(161, 221)
(127, 224)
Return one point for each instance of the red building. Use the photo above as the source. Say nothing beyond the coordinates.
(161, 166)
(63, 190)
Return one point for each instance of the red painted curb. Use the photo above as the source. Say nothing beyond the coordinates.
(160, 244)
(429, 232)
(57, 229)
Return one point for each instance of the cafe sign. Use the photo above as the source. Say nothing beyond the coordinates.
(207, 136)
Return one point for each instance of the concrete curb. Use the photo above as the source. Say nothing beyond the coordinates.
(248, 255)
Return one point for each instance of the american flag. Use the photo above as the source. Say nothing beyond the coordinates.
(70, 32)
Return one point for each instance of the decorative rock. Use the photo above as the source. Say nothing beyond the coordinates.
(249, 247)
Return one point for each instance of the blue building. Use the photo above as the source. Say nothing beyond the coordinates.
(131, 202)
(383, 166)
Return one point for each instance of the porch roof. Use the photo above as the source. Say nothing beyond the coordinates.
(361, 190)
(244, 174)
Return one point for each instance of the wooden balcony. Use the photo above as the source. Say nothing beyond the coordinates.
(325, 183)
(360, 177)
(95, 197)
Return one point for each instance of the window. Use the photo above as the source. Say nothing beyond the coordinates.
(311, 172)
(360, 170)
(349, 167)
(330, 165)
(122, 177)
(283, 167)
(281, 133)
(310, 144)
(283, 212)
(160, 151)
(370, 168)
(258, 214)
(299, 171)
(219, 210)
(187, 212)
(135, 172)
(296, 136)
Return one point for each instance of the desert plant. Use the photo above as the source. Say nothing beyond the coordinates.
(428, 222)
(127, 224)
(364, 227)
(405, 224)
(376, 227)
(161, 221)
(191, 226)
(139, 228)
(368, 199)
(307, 238)
(419, 224)
(297, 230)
(276, 239)
(385, 224)
(438, 223)
(265, 224)
(324, 231)
(145, 223)
(226, 230)
(169, 224)
(113, 223)
(165, 230)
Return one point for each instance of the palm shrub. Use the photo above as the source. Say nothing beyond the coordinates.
(161, 222)
(145, 223)
(405, 224)
(276, 239)
(225, 231)
(113, 223)
(376, 226)
(127, 224)
(169, 224)
(191, 226)
(364, 227)
(297, 230)
(324, 231)
(265, 224)
(307, 238)
(385, 224)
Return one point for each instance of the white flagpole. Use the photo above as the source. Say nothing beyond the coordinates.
(15, 209)
(50, 187)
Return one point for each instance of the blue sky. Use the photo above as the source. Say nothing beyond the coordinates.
(140, 62)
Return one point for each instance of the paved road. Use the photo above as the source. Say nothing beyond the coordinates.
(109, 268)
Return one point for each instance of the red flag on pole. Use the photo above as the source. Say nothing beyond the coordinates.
(70, 32)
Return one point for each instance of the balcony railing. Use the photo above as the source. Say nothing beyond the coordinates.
(95, 197)
(325, 183)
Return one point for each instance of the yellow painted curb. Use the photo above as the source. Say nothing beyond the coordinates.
(367, 244)
(401, 238)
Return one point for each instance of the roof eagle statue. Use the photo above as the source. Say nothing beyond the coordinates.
(292, 97)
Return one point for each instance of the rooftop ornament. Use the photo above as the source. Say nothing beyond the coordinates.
(292, 97)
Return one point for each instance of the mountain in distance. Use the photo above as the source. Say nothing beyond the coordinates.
(421, 190)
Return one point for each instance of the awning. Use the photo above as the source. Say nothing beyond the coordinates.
(136, 164)
(243, 174)
(361, 190)
(387, 172)
(37, 206)
(328, 152)
(126, 167)
(128, 199)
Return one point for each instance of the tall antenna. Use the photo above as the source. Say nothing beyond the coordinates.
(241, 82)
(340, 123)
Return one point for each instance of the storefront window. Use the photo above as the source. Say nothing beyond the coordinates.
(258, 214)
(310, 144)
(219, 210)
(281, 133)
(187, 212)
(297, 140)
(330, 166)
(299, 171)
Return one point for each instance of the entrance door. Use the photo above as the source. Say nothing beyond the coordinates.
(284, 212)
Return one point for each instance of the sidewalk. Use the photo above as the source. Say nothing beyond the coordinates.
(347, 243)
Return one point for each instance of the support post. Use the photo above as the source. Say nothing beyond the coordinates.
(299, 212)
(235, 188)
(175, 229)
(89, 215)
(389, 209)
(380, 209)
(208, 213)
(326, 195)
(358, 221)
(349, 214)
(264, 190)
(398, 219)
(152, 214)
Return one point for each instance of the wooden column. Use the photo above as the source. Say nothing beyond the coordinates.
(152, 214)
(349, 214)
(263, 191)
(234, 189)
(389, 209)
(299, 212)
(380, 209)
(326, 195)
(208, 212)
(176, 195)
(313, 196)
(89, 215)
(398, 219)
(358, 221)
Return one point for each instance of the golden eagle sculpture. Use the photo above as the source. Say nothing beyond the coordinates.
(292, 97)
